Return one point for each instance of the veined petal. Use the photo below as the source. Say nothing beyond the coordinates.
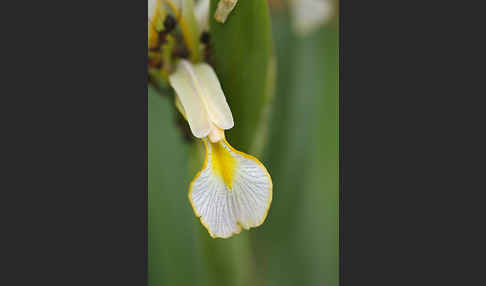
(213, 96)
(233, 190)
(188, 90)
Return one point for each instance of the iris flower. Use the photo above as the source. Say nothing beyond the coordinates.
(233, 190)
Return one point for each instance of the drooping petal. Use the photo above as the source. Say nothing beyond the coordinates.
(233, 190)
(188, 91)
(218, 108)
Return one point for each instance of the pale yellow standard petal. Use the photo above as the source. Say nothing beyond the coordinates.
(218, 108)
(188, 92)
(233, 190)
(202, 99)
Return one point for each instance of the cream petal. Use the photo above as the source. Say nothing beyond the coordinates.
(223, 210)
(213, 96)
(188, 91)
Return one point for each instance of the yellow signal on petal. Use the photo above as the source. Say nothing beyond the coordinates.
(223, 163)
(224, 208)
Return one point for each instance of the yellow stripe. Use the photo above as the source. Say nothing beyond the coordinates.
(223, 163)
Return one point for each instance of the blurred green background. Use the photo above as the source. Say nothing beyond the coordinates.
(283, 92)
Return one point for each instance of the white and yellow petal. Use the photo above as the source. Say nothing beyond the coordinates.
(232, 191)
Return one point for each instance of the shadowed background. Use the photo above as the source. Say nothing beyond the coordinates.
(282, 90)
